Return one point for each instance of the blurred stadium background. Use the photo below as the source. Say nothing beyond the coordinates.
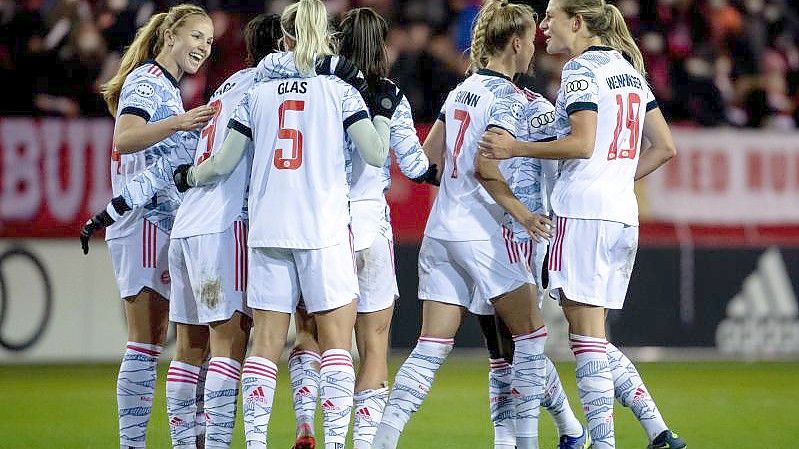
(713, 297)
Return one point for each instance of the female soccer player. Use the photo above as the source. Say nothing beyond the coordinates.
(604, 108)
(150, 123)
(362, 33)
(464, 247)
(297, 127)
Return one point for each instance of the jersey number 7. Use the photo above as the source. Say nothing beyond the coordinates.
(293, 162)
(633, 122)
(463, 117)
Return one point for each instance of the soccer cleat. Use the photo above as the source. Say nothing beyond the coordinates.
(305, 438)
(581, 442)
(667, 440)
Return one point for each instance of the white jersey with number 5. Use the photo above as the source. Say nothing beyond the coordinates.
(601, 187)
(298, 189)
(213, 208)
(463, 209)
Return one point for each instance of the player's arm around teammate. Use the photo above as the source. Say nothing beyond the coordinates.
(146, 102)
(597, 229)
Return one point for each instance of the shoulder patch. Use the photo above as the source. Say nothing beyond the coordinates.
(145, 90)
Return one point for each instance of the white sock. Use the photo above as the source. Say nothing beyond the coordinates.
(199, 424)
(595, 386)
(221, 393)
(557, 404)
(411, 385)
(135, 388)
(632, 393)
(304, 375)
(369, 406)
(500, 403)
(336, 389)
(181, 405)
(529, 371)
(258, 380)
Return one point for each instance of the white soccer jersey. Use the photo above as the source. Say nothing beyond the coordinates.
(144, 178)
(463, 209)
(530, 178)
(214, 207)
(368, 184)
(601, 188)
(298, 188)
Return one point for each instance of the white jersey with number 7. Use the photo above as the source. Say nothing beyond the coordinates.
(463, 209)
(298, 188)
(601, 187)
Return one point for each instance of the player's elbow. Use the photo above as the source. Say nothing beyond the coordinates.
(669, 151)
(123, 145)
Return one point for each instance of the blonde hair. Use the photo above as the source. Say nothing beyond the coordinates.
(607, 22)
(146, 45)
(497, 22)
(306, 23)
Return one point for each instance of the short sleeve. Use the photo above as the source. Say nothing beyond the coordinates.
(506, 111)
(580, 88)
(651, 101)
(140, 96)
(241, 121)
(353, 106)
(540, 120)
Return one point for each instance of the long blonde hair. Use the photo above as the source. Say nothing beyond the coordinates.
(497, 22)
(146, 45)
(607, 22)
(306, 23)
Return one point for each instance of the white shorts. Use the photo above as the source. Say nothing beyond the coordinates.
(140, 260)
(209, 276)
(533, 253)
(324, 277)
(470, 273)
(377, 279)
(591, 261)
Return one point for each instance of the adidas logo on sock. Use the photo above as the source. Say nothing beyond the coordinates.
(515, 393)
(363, 412)
(175, 421)
(257, 395)
(304, 391)
(640, 392)
(328, 405)
(761, 318)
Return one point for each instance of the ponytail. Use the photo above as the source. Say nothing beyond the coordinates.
(497, 22)
(306, 23)
(146, 45)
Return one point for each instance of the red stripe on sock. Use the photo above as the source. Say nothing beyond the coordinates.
(580, 351)
(445, 341)
(224, 367)
(144, 350)
(215, 369)
(181, 380)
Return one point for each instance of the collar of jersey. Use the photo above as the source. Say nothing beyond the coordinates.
(489, 72)
(166, 72)
(599, 48)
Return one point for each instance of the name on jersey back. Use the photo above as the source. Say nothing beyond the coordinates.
(623, 80)
(467, 98)
(288, 87)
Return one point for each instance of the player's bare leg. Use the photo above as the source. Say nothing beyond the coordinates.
(371, 392)
(519, 310)
(594, 379)
(259, 374)
(440, 322)
(303, 366)
(334, 328)
(228, 347)
(147, 316)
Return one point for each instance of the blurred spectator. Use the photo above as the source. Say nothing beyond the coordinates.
(710, 62)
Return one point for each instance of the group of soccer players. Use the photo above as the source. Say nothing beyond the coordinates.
(284, 174)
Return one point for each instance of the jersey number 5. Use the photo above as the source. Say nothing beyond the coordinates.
(463, 117)
(293, 162)
(209, 132)
(633, 122)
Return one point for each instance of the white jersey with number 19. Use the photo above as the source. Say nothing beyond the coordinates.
(213, 208)
(298, 188)
(601, 187)
(463, 209)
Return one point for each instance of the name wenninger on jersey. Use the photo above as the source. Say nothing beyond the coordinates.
(624, 80)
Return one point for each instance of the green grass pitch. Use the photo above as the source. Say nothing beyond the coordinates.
(713, 405)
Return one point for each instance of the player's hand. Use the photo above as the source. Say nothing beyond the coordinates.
(194, 119)
(181, 177)
(430, 176)
(344, 69)
(496, 143)
(99, 221)
(538, 226)
(384, 99)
